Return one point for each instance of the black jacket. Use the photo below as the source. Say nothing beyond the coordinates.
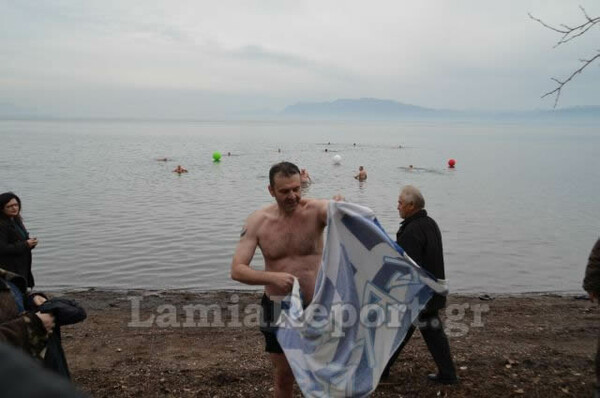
(421, 239)
(591, 283)
(15, 255)
(22, 377)
(66, 312)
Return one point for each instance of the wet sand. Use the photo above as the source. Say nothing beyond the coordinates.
(530, 346)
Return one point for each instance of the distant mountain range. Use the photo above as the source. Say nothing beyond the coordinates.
(378, 109)
(346, 109)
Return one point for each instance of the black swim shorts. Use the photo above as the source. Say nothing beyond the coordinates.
(270, 313)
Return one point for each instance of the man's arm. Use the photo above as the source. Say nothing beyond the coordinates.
(29, 332)
(240, 265)
(412, 241)
(323, 206)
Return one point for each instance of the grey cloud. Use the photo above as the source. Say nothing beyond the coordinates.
(259, 53)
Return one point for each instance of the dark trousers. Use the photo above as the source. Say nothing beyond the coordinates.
(432, 330)
(598, 368)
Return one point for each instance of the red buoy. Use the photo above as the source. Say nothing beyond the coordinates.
(451, 163)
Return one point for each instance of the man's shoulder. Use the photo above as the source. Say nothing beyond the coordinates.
(311, 204)
(420, 220)
(257, 217)
(263, 212)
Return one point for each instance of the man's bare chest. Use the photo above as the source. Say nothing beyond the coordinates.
(279, 240)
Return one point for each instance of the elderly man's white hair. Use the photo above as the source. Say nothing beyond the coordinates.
(411, 194)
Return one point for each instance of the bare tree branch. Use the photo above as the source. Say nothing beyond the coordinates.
(568, 34)
(562, 83)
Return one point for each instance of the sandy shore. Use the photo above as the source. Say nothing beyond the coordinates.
(533, 346)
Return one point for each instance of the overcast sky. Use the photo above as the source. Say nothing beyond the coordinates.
(194, 58)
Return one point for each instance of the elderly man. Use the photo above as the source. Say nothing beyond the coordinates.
(421, 239)
(289, 233)
(591, 284)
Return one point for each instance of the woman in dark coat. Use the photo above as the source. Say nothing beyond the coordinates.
(15, 243)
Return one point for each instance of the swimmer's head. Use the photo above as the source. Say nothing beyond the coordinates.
(360, 168)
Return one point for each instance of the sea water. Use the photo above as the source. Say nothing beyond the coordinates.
(519, 212)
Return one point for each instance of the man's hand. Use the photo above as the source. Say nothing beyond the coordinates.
(282, 282)
(593, 296)
(338, 198)
(47, 320)
(39, 300)
(32, 243)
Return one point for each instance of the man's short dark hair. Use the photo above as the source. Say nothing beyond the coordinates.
(286, 169)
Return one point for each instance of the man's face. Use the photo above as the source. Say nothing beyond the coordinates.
(405, 208)
(286, 191)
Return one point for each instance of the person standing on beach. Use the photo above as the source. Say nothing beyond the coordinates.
(591, 284)
(15, 243)
(420, 237)
(290, 236)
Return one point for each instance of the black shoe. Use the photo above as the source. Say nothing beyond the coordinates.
(443, 380)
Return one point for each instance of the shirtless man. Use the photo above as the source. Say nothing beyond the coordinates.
(362, 174)
(179, 169)
(290, 236)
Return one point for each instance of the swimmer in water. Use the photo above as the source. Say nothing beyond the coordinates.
(305, 177)
(179, 169)
(162, 160)
(362, 174)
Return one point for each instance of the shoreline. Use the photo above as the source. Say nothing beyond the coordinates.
(69, 290)
(526, 345)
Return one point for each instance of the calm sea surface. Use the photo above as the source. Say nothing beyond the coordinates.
(520, 212)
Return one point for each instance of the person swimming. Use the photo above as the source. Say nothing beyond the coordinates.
(179, 169)
(362, 174)
(305, 177)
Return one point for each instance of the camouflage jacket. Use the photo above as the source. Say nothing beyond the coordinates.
(25, 329)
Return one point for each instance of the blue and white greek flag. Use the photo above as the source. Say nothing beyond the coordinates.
(368, 293)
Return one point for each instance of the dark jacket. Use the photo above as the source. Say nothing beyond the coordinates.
(591, 283)
(15, 255)
(20, 329)
(421, 239)
(22, 377)
(66, 312)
